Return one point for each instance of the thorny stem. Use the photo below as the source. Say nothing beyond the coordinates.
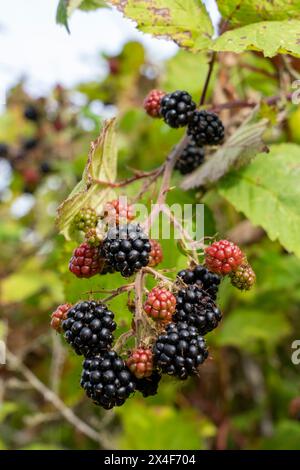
(157, 275)
(139, 318)
(137, 176)
(248, 104)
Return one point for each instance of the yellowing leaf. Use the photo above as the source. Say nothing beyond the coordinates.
(269, 37)
(101, 165)
(184, 21)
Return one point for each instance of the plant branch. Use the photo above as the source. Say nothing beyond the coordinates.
(248, 104)
(52, 398)
(208, 77)
(137, 176)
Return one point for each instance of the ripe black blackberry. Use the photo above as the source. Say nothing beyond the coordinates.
(191, 157)
(31, 113)
(177, 108)
(3, 150)
(126, 248)
(107, 380)
(148, 386)
(203, 278)
(180, 350)
(30, 144)
(196, 307)
(206, 128)
(88, 328)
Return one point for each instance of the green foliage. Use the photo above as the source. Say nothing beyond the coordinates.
(273, 206)
(185, 21)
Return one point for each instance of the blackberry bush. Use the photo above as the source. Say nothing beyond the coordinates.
(177, 108)
(126, 249)
(88, 328)
(180, 350)
(107, 380)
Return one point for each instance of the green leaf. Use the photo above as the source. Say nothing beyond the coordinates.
(6, 409)
(286, 437)
(184, 21)
(101, 165)
(243, 327)
(269, 37)
(238, 150)
(253, 11)
(88, 5)
(268, 193)
(62, 14)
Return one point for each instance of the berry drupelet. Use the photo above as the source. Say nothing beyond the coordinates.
(203, 278)
(177, 108)
(156, 253)
(196, 308)
(191, 157)
(206, 128)
(160, 304)
(107, 380)
(88, 328)
(180, 350)
(58, 316)
(223, 257)
(126, 248)
(85, 219)
(152, 103)
(243, 278)
(140, 363)
(85, 261)
(148, 386)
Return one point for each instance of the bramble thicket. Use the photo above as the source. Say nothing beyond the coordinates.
(117, 335)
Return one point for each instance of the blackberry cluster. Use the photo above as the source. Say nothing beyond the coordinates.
(223, 257)
(203, 278)
(126, 248)
(85, 219)
(195, 307)
(140, 362)
(148, 386)
(107, 380)
(191, 157)
(177, 108)
(180, 350)
(85, 261)
(88, 328)
(152, 103)
(206, 128)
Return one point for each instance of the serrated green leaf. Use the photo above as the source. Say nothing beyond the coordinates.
(269, 37)
(184, 21)
(268, 193)
(62, 14)
(238, 150)
(102, 166)
(253, 11)
(88, 5)
(244, 327)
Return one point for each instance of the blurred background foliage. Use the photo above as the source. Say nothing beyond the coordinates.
(247, 395)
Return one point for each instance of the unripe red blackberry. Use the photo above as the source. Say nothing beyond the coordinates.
(107, 380)
(118, 212)
(203, 278)
(180, 350)
(85, 261)
(152, 103)
(156, 253)
(195, 307)
(223, 257)
(88, 328)
(243, 278)
(191, 157)
(126, 249)
(177, 108)
(58, 316)
(148, 386)
(86, 219)
(140, 363)
(160, 304)
(206, 128)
